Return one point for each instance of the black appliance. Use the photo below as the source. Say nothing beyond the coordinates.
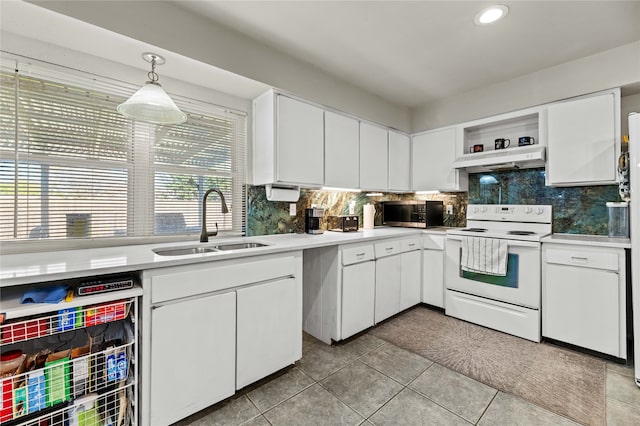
(313, 220)
(413, 214)
(344, 223)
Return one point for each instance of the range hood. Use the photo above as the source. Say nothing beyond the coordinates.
(523, 157)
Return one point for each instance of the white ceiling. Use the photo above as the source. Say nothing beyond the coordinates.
(415, 52)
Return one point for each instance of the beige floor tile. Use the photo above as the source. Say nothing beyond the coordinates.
(506, 409)
(397, 363)
(323, 360)
(361, 387)
(623, 388)
(279, 389)
(232, 411)
(462, 395)
(313, 406)
(410, 408)
(622, 414)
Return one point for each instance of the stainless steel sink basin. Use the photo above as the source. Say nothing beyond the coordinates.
(238, 246)
(183, 251)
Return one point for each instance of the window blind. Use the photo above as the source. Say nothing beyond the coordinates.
(72, 167)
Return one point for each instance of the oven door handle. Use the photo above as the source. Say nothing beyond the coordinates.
(511, 243)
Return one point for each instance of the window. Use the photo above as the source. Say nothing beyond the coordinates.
(72, 167)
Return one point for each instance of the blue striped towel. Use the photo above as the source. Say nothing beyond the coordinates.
(484, 255)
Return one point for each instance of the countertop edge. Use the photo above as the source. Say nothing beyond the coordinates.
(588, 240)
(94, 262)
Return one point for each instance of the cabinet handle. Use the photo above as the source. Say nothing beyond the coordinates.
(360, 254)
(389, 248)
(412, 245)
(580, 259)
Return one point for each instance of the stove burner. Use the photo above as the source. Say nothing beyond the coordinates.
(474, 229)
(521, 233)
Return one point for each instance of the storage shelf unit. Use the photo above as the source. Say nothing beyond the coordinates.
(78, 362)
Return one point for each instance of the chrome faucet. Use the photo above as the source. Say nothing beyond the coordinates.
(204, 235)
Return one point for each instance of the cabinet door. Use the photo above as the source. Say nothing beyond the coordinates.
(387, 287)
(300, 142)
(358, 293)
(269, 329)
(433, 277)
(432, 156)
(341, 151)
(373, 157)
(410, 279)
(582, 141)
(580, 306)
(399, 162)
(193, 364)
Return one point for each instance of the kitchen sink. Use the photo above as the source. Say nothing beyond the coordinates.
(183, 251)
(238, 246)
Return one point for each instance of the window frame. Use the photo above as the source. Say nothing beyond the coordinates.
(140, 203)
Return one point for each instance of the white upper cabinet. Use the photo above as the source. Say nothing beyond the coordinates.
(399, 160)
(432, 157)
(373, 157)
(288, 141)
(341, 151)
(583, 136)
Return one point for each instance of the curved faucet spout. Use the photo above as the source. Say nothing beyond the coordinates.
(204, 235)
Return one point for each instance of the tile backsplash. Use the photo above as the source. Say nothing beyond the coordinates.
(267, 217)
(576, 210)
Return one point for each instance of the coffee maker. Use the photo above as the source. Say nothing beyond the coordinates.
(313, 220)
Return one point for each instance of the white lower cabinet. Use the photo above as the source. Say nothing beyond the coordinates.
(433, 270)
(193, 347)
(358, 294)
(216, 327)
(387, 279)
(583, 297)
(410, 273)
(269, 329)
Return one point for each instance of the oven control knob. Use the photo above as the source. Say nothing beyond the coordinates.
(528, 210)
(484, 209)
(539, 210)
(476, 209)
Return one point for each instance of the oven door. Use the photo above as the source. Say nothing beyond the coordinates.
(521, 285)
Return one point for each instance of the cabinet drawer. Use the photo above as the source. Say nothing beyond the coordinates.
(185, 281)
(387, 248)
(353, 255)
(410, 244)
(587, 259)
(433, 242)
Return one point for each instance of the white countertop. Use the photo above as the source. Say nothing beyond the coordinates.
(17, 269)
(588, 240)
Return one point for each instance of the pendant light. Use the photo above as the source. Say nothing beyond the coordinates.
(151, 103)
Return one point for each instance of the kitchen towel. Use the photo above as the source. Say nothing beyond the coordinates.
(484, 255)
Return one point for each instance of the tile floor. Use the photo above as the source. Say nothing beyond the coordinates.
(367, 381)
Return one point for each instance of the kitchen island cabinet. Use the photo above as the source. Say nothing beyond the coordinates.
(194, 351)
(216, 327)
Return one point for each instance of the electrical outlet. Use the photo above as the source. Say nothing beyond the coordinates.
(292, 209)
(449, 209)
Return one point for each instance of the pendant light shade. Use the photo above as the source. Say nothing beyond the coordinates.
(151, 103)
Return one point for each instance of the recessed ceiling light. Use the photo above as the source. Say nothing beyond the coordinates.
(491, 14)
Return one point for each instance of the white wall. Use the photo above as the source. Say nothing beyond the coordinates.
(613, 68)
(170, 27)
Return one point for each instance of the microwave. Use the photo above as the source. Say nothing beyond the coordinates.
(413, 214)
